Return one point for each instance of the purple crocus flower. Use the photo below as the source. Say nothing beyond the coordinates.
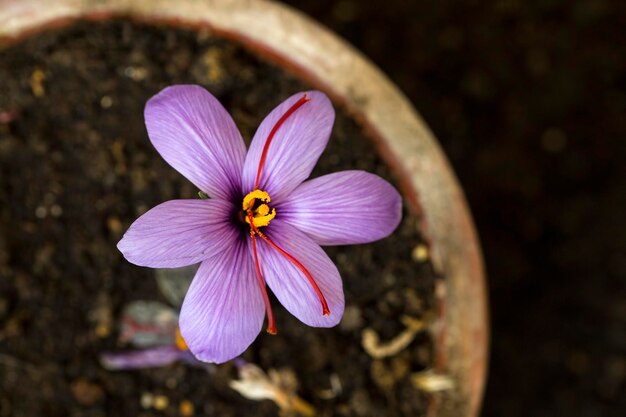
(153, 357)
(263, 223)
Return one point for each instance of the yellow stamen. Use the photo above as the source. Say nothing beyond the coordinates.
(180, 342)
(260, 221)
(262, 210)
(262, 214)
(249, 199)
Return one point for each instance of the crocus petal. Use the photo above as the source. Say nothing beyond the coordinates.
(291, 286)
(195, 135)
(141, 359)
(344, 208)
(179, 233)
(223, 311)
(296, 147)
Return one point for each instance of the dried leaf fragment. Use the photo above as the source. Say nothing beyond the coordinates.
(431, 381)
(279, 387)
(377, 350)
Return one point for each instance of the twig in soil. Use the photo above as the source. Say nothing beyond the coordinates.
(371, 341)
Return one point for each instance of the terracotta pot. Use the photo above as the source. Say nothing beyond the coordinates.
(320, 58)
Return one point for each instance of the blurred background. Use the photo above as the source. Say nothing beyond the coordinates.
(528, 100)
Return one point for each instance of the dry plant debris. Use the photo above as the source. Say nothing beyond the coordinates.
(431, 381)
(278, 386)
(377, 350)
(336, 388)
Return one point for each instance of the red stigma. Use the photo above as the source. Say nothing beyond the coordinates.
(307, 274)
(271, 326)
(271, 323)
(270, 137)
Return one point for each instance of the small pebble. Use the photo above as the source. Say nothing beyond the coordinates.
(103, 330)
(36, 82)
(56, 210)
(146, 401)
(352, 319)
(136, 73)
(186, 408)
(420, 253)
(106, 102)
(115, 225)
(41, 212)
(213, 61)
(161, 402)
(86, 393)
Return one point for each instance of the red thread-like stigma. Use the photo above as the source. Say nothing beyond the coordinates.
(320, 295)
(271, 327)
(271, 323)
(278, 124)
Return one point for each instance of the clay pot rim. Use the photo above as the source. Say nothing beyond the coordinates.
(315, 55)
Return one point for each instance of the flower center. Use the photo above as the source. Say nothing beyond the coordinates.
(256, 208)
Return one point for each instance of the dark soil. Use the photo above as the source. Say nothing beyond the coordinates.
(528, 100)
(76, 168)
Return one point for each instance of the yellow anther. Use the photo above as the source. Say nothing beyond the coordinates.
(261, 221)
(180, 342)
(255, 195)
(262, 214)
(262, 210)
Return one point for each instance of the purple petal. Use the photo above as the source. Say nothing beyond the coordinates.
(188, 358)
(195, 135)
(296, 147)
(140, 359)
(179, 233)
(290, 285)
(344, 208)
(223, 311)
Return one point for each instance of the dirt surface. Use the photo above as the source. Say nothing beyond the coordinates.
(528, 100)
(76, 168)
